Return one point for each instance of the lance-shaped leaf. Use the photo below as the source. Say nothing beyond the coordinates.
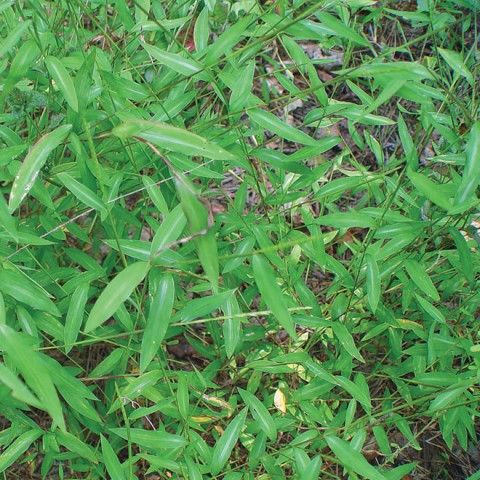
(260, 413)
(31, 365)
(115, 293)
(22, 289)
(34, 161)
(111, 461)
(172, 138)
(197, 217)
(352, 459)
(225, 444)
(271, 122)
(175, 61)
(271, 293)
(157, 320)
(154, 439)
(373, 282)
(17, 448)
(471, 173)
(13, 37)
(75, 313)
(83, 193)
(63, 81)
(456, 62)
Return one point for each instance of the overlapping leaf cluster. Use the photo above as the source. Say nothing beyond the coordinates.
(221, 257)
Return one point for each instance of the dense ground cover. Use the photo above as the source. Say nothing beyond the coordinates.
(239, 239)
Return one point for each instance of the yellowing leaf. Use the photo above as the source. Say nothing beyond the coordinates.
(279, 401)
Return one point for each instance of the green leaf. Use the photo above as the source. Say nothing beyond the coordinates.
(445, 399)
(359, 393)
(407, 143)
(342, 30)
(6, 220)
(34, 161)
(172, 138)
(132, 248)
(471, 172)
(74, 444)
(271, 122)
(464, 253)
(388, 91)
(151, 439)
(456, 63)
(125, 87)
(347, 220)
(389, 70)
(178, 63)
(201, 31)
(260, 414)
(171, 228)
(19, 390)
(199, 307)
(83, 193)
(417, 273)
(351, 459)
(224, 445)
(22, 289)
(241, 88)
(158, 320)
(429, 189)
(339, 185)
(373, 282)
(197, 217)
(14, 37)
(108, 363)
(182, 396)
(155, 194)
(110, 459)
(228, 39)
(16, 449)
(31, 365)
(430, 309)
(3, 312)
(271, 294)
(231, 325)
(75, 312)
(115, 293)
(193, 470)
(63, 81)
(346, 340)
(27, 54)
